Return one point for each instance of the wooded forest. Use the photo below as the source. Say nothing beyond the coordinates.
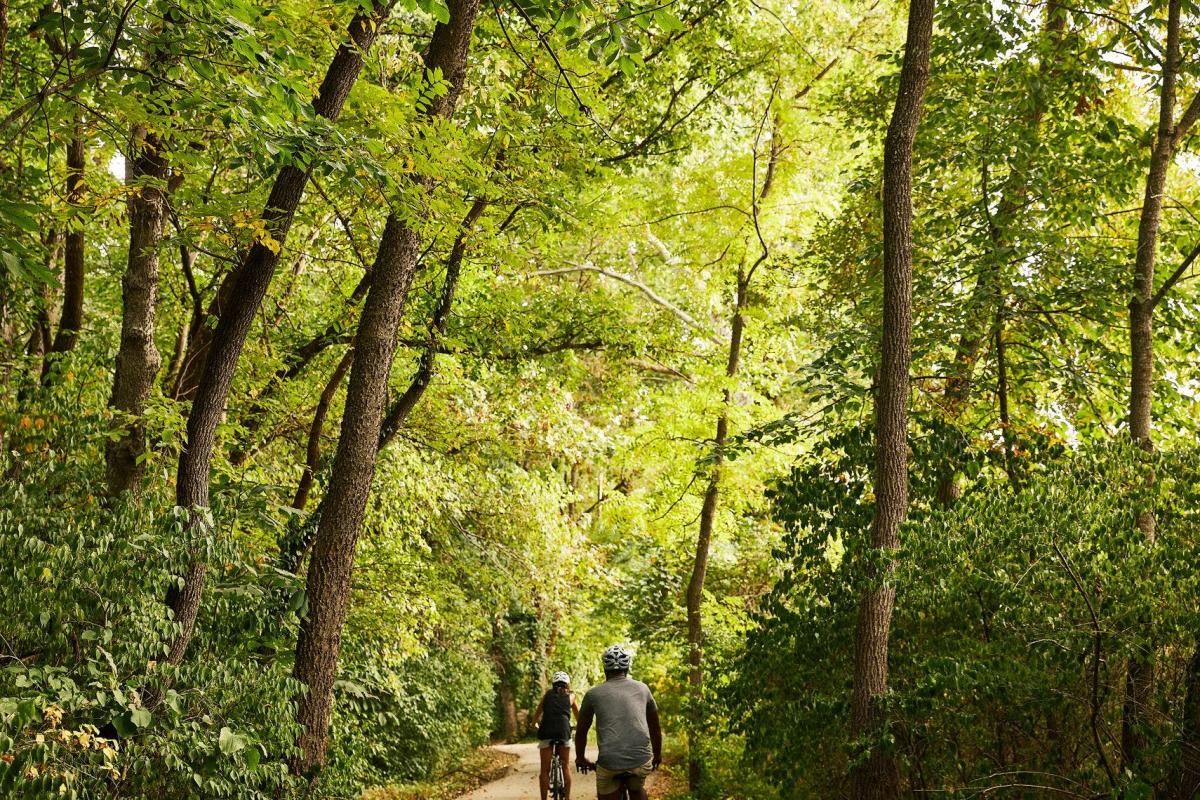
(365, 362)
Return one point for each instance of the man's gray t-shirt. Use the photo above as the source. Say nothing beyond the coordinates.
(620, 706)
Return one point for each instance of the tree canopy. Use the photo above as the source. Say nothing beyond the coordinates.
(367, 361)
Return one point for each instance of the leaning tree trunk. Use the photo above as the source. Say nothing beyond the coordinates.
(1139, 680)
(312, 459)
(71, 317)
(875, 775)
(248, 285)
(354, 464)
(137, 358)
(708, 514)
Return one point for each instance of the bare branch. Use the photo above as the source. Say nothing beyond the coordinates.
(628, 280)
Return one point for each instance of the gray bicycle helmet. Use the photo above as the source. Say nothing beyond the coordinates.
(561, 677)
(616, 659)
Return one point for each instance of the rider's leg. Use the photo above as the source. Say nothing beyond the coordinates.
(564, 752)
(637, 785)
(606, 787)
(544, 775)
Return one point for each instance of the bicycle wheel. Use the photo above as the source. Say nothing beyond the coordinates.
(558, 784)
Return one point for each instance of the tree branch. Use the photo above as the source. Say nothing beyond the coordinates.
(628, 280)
(1175, 276)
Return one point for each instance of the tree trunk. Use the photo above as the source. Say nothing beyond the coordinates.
(404, 404)
(313, 451)
(874, 775)
(137, 358)
(990, 287)
(694, 599)
(281, 206)
(1139, 680)
(354, 465)
(247, 286)
(43, 329)
(708, 514)
(73, 265)
(1002, 400)
(298, 537)
(508, 712)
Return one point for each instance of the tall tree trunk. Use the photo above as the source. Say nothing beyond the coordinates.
(298, 537)
(708, 514)
(313, 452)
(1139, 680)
(989, 290)
(239, 288)
(71, 317)
(137, 358)
(875, 775)
(247, 286)
(694, 600)
(354, 465)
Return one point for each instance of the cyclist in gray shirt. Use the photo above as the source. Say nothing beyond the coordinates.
(627, 730)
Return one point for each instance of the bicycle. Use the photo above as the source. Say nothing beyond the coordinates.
(558, 779)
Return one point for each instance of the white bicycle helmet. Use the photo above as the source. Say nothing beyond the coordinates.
(561, 677)
(617, 659)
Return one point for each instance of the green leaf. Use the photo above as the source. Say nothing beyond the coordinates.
(141, 717)
(229, 742)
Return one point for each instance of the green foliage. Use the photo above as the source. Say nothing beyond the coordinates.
(541, 501)
(1015, 614)
(87, 703)
(406, 721)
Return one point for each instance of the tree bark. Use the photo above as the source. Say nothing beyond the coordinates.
(71, 317)
(694, 600)
(508, 711)
(316, 429)
(1002, 400)
(246, 287)
(137, 357)
(708, 514)
(989, 287)
(354, 464)
(281, 207)
(1139, 681)
(43, 330)
(403, 406)
(874, 775)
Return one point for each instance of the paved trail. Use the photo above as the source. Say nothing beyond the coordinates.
(522, 782)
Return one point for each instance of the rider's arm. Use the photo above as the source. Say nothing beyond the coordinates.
(655, 731)
(537, 713)
(575, 709)
(581, 734)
